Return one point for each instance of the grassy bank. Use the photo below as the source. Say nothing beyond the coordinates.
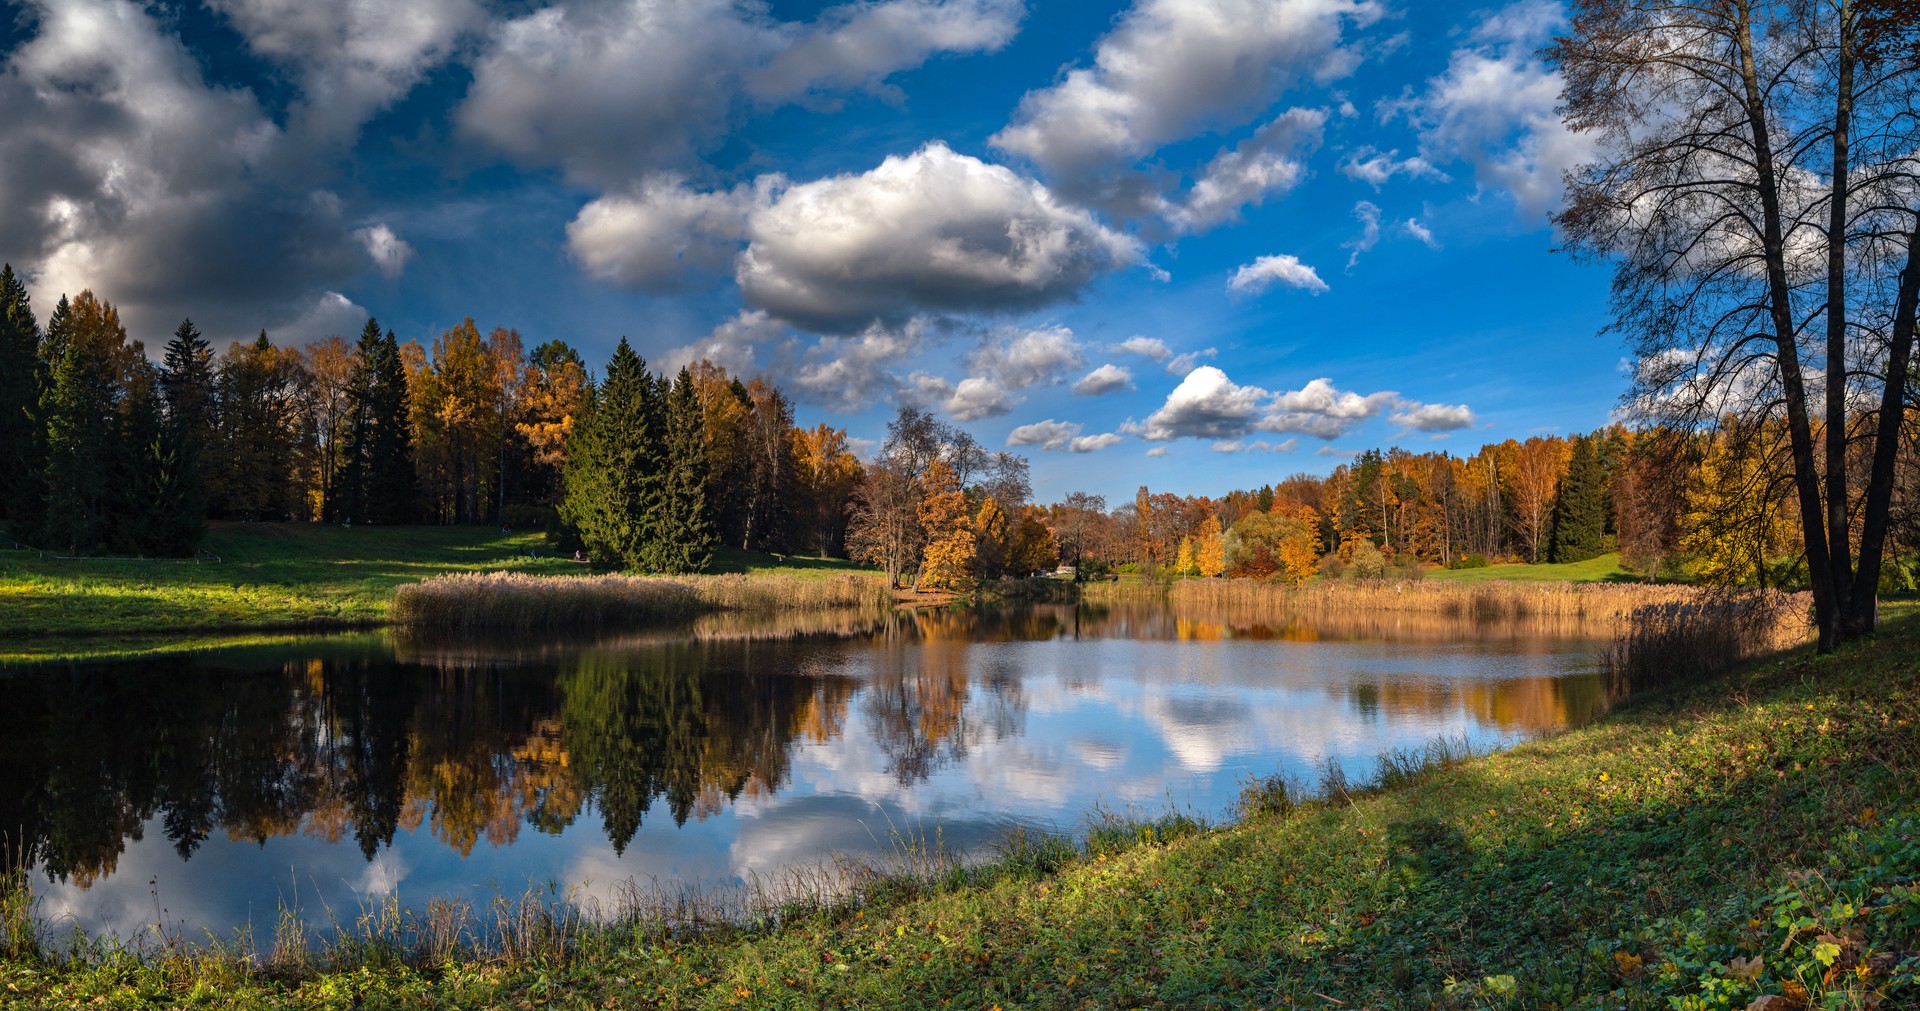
(1758, 836)
(270, 576)
(1604, 569)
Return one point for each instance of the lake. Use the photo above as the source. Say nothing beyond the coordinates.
(205, 791)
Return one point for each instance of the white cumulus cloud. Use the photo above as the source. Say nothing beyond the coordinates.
(1432, 417)
(1105, 379)
(934, 231)
(1284, 268)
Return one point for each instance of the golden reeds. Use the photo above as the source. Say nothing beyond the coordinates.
(1484, 601)
(1678, 641)
(517, 602)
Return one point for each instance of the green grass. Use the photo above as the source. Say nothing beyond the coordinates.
(268, 576)
(1604, 569)
(1700, 849)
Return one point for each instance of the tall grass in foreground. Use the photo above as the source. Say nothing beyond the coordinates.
(1714, 631)
(1480, 601)
(515, 602)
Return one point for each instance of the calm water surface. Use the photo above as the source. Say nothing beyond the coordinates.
(207, 790)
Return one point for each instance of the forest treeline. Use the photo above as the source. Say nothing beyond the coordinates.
(107, 451)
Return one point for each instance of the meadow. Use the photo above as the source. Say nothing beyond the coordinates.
(257, 577)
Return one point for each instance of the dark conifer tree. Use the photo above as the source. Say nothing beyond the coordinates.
(686, 534)
(53, 342)
(187, 388)
(613, 475)
(154, 505)
(80, 411)
(392, 485)
(1580, 511)
(22, 382)
(356, 465)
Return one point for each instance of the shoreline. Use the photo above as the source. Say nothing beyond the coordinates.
(1631, 857)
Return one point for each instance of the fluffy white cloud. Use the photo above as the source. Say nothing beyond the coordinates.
(1432, 417)
(661, 232)
(1415, 229)
(1494, 107)
(861, 44)
(351, 59)
(611, 90)
(934, 231)
(1171, 68)
(124, 171)
(1376, 167)
(1105, 379)
(1157, 451)
(1145, 347)
(1322, 411)
(1271, 162)
(971, 399)
(1027, 358)
(1284, 268)
(1061, 435)
(388, 251)
(849, 374)
(732, 345)
(1206, 405)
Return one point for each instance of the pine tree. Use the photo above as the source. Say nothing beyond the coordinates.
(153, 507)
(22, 382)
(686, 535)
(1580, 511)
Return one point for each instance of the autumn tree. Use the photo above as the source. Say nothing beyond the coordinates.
(1210, 548)
(552, 390)
(329, 364)
(1755, 190)
(1535, 480)
(950, 538)
(992, 535)
(826, 474)
(1034, 549)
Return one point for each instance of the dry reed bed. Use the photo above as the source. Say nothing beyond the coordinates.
(1606, 602)
(516, 602)
(1676, 642)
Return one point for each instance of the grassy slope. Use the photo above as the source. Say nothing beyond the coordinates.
(1773, 816)
(274, 574)
(1605, 568)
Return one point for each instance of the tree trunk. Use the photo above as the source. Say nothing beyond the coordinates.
(1863, 615)
(1839, 555)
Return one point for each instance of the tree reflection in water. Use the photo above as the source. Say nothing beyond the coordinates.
(364, 737)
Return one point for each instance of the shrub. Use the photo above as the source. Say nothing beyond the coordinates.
(1368, 563)
(1331, 566)
(1468, 562)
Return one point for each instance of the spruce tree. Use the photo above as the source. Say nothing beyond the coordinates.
(356, 462)
(390, 475)
(22, 382)
(80, 410)
(686, 536)
(187, 388)
(153, 506)
(613, 477)
(1580, 511)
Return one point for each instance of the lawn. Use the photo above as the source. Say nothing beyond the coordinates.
(274, 575)
(1604, 569)
(1701, 849)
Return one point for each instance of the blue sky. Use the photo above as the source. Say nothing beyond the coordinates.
(1195, 244)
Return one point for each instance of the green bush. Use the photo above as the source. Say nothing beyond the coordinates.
(1468, 562)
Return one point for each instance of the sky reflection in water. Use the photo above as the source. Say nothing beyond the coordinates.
(346, 769)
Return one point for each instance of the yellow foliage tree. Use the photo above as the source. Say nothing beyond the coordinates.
(1299, 549)
(992, 534)
(948, 560)
(1210, 548)
(1735, 519)
(1034, 549)
(1184, 564)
